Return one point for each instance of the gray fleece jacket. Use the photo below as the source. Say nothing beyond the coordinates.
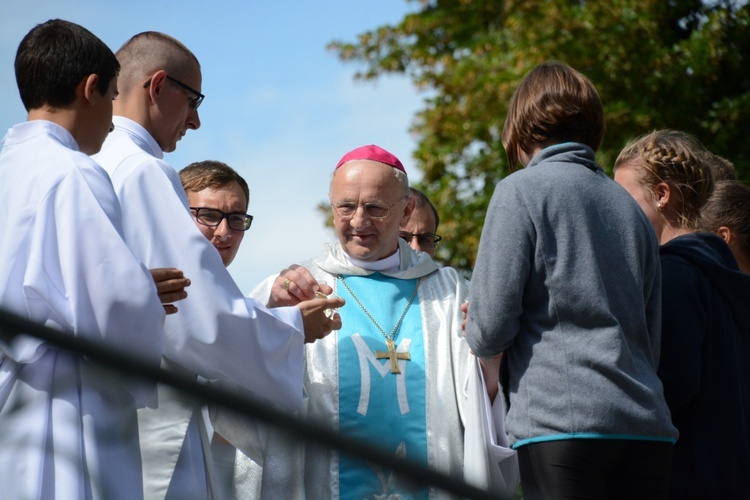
(567, 283)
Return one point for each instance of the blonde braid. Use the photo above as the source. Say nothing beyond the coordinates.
(678, 159)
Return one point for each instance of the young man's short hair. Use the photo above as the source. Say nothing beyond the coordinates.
(54, 57)
(211, 174)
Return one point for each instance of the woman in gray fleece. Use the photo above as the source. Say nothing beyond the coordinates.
(567, 285)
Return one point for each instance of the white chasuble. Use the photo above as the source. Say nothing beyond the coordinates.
(420, 414)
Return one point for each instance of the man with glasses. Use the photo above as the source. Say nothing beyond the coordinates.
(218, 198)
(221, 334)
(393, 375)
(419, 231)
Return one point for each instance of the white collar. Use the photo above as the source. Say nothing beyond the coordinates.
(390, 263)
(140, 135)
(333, 260)
(25, 130)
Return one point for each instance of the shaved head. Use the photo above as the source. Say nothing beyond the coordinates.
(151, 51)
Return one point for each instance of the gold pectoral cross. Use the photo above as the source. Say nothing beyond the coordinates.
(392, 355)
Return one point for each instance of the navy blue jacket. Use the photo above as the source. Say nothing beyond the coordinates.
(705, 366)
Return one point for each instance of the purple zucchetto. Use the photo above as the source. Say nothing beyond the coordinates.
(373, 153)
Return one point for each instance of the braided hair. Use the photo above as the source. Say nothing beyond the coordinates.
(677, 159)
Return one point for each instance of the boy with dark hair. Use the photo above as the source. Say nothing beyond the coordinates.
(52, 60)
(67, 431)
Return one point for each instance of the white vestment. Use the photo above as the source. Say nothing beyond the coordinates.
(68, 427)
(270, 464)
(218, 333)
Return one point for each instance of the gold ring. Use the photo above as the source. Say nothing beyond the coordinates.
(285, 285)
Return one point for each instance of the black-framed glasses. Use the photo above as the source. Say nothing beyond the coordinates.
(425, 240)
(195, 102)
(212, 217)
(374, 210)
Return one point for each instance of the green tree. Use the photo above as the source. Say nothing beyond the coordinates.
(657, 64)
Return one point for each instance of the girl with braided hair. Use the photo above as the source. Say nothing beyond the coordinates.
(705, 351)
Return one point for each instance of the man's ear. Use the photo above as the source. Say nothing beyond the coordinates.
(90, 91)
(726, 234)
(155, 86)
(408, 209)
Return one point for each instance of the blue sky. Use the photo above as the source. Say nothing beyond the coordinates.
(279, 107)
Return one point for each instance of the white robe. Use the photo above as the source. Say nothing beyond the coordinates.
(218, 333)
(68, 428)
(272, 465)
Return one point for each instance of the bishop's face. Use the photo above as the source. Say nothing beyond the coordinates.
(361, 182)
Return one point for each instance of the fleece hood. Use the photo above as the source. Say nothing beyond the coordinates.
(713, 257)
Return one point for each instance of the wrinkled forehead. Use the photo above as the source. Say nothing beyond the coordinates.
(366, 179)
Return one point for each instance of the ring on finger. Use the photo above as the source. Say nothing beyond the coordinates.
(285, 285)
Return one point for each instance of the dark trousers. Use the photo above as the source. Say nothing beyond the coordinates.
(595, 468)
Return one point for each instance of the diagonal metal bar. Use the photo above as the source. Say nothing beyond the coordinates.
(12, 325)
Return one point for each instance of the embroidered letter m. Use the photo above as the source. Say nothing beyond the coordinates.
(366, 358)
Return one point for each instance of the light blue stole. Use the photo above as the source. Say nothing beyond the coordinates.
(376, 405)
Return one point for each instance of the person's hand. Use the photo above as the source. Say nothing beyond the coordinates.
(315, 317)
(294, 285)
(170, 285)
(491, 373)
(464, 315)
(490, 366)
